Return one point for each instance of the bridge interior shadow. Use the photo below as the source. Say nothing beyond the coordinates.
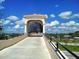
(35, 28)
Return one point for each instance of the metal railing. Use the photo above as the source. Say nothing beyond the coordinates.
(56, 46)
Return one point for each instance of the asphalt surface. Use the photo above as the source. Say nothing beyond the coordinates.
(29, 48)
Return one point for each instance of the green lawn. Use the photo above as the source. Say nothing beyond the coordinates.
(72, 48)
(68, 41)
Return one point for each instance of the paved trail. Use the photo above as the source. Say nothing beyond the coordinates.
(29, 48)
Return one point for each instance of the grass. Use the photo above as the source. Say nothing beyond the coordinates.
(71, 48)
(68, 41)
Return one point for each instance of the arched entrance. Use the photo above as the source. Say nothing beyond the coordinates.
(34, 24)
(34, 28)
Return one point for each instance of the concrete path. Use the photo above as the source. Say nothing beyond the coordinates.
(29, 48)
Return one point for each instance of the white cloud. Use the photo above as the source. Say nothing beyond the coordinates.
(56, 5)
(6, 22)
(21, 22)
(16, 26)
(46, 16)
(75, 15)
(1, 7)
(66, 14)
(11, 23)
(54, 23)
(51, 25)
(12, 18)
(70, 23)
(0, 22)
(75, 28)
(62, 27)
(47, 24)
(21, 27)
(52, 15)
(67, 27)
(1, 1)
(77, 24)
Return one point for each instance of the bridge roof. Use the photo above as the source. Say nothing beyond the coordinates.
(41, 16)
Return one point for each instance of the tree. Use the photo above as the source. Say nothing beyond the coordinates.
(76, 34)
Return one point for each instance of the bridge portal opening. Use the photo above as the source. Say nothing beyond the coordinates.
(35, 28)
(34, 24)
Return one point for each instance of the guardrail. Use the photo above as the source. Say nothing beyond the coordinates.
(56, 46)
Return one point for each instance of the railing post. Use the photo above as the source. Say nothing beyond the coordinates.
(56, 46)
(50, 39)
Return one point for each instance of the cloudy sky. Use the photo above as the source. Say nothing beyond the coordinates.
(63, 15)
